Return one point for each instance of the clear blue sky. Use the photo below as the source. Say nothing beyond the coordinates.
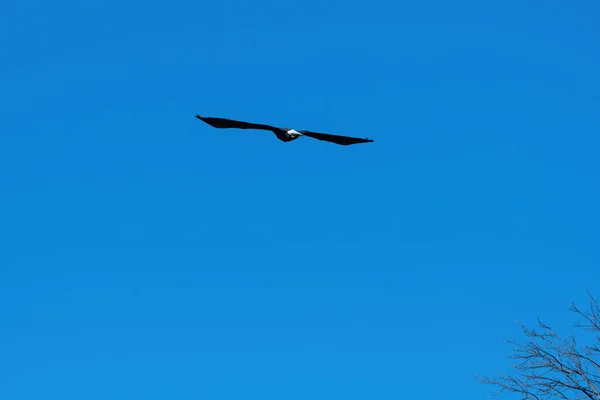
(145, 255)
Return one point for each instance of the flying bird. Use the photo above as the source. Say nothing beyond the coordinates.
(283, 134)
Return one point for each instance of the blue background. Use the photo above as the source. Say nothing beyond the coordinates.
(146, 255)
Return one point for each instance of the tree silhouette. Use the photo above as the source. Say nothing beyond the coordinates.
(549, 366)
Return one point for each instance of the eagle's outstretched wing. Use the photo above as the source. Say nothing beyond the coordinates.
(343, 140)
(280, 132)
(230, 123)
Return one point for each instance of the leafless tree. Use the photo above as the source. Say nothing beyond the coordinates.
(549, 366)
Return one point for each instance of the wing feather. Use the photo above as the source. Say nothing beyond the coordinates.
(343, 140)
(230, 123)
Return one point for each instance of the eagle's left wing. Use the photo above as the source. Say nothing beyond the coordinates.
(343, 140)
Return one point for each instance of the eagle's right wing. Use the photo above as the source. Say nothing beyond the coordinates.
(230, 123)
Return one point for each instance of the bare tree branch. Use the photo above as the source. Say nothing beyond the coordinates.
(554, 367)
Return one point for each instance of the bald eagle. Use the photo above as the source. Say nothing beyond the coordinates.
(283, 134)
